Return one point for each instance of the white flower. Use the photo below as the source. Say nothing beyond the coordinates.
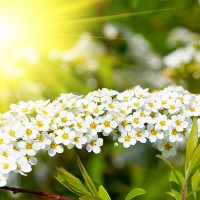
(43, 140)
(78, 121)
(108, 124)
(173, 106)
(174, 135)
(7, 165)
(179, 122)
(140, 135)
(79, 140)
(23, 166)
(136, 120)
(64, 136)
(41, 123)
(3, 179)
(94, 144)
(152, 105)
(80, 125)
(127, 139)
(154, 134)
(54, 148)
(140, 92)
(112, 107)
(162, 123)
(167, 148)
(28, 147)
(30, 131)
(125, 96)
(93, 125)
(64, 118)
(136, 103)
(14, 131)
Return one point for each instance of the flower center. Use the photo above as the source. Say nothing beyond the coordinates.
(93, 125)
(65, 136)
(106, 124)
(136, 121)
(127, 138)
(163, 123)
(153, 132)
(178, 122)
(139, 134)
(28, 132)
(28, 146)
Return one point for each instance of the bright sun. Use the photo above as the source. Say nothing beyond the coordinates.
(6, 31)
(45, 24)
(31, 29)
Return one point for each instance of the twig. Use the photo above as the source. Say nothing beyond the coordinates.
(38, 193)
(184, 190)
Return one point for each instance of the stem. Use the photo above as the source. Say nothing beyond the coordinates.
(38, 193)
(184, 190)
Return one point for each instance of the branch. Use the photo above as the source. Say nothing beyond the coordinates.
(183, 193)
(38, 193)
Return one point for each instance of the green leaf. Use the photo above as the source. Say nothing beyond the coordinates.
(192, 142)
(90, 197)
(195, 161)
(170, 194)
(103, 193)
(135, 192)
(88, 181)
(175, 188)
(195, 182)
(177, 176)
(70, 182)
(189, 194)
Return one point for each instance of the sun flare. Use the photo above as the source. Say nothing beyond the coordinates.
(28, 31)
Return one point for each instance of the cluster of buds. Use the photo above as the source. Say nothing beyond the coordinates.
(163, 117)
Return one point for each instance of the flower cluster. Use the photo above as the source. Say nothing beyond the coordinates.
(182, 56)
(132, 116)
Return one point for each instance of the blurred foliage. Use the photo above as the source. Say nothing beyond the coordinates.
(117, 53)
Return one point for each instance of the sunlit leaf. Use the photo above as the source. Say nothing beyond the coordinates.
(175, 187)
(88, 181)
(135, 192)
(71, 182)
(194, 163)
(192, 142)
(103, 193)
(195, 182)
(180, 183)
(90, 197)
(170, 194)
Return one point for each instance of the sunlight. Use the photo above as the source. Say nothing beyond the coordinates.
(7, 31)
(28, 31)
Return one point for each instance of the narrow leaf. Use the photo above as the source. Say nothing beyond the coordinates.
(172, 168)
(192, 141)
(135, 192)
(175, 188)
(170, 194)
(88, 181)
(195, 161)
(189, 194)
(195, 182)
(71, 182)
(103, 193)
(89, 197)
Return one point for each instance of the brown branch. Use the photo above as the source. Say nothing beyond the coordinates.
(38, 193)
(184, 190)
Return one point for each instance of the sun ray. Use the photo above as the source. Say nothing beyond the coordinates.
(117, 16)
